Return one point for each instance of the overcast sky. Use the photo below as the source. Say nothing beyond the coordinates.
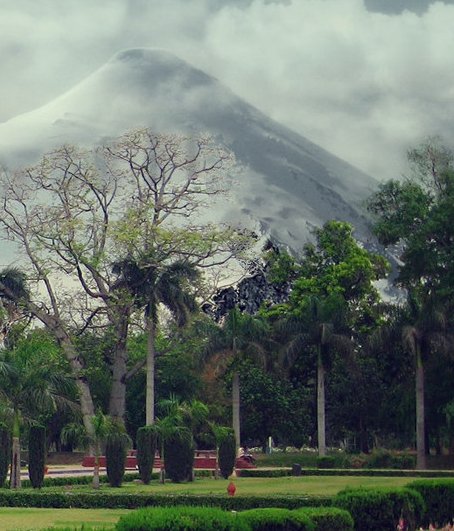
(366, 79)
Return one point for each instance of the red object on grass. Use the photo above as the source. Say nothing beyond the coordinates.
(231, 489)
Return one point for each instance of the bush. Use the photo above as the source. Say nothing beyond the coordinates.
(181, 518)
(326, 461)
(36, 455)
(438, 496)
(328, 518)
(116, 447)
(380, 509)
(390, 460)
(5, 452)
(227, 454)
(276, 519)
(94, 500)
(146, 449)
(179, 455)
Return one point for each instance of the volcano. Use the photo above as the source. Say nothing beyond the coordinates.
(287, 184)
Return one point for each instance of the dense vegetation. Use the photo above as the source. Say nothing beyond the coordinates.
(332, 365)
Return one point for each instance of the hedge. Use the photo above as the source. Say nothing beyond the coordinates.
(181, 519)
(381, 509)
(438, 496)
(95, 500)
(276, 519)
(328, 518)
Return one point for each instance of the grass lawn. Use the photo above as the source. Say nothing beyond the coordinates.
(12, 518)
(31, 518)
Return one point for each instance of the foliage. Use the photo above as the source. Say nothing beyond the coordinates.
(276, 519)
(326, 461)
(271, 406)
(181, 519)
(328, 518)
(227, 453)
(116, 448)
(146, 449)
(36, 455)
(179, 455)
(385, 459)
(381, 509)
(5, 452)
(418, 213)
(438, 496)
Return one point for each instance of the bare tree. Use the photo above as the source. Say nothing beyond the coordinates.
(76, 214)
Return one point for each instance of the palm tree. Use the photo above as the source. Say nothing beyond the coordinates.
(154, 284)
(320, 326)
(178, 420)
(31, 386)
(420, 326)
(424, 327)
(240, 334)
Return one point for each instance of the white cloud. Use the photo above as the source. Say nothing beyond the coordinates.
(363, 84)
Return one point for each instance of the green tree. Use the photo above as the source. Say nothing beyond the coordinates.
(36, 455)
(31, 384)
(332, 297)
(174, 427)
(240, 335)
(418, 214)
(75, 214)
(154, 284)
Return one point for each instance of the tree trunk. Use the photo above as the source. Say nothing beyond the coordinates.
(236, 407)
(151, 359)
(117, 401)
(321, 409)
(420, 421)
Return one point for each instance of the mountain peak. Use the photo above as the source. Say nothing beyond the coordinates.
(288, 184)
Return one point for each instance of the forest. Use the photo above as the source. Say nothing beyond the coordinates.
(113, 306)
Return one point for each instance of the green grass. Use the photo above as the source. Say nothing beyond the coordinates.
(300, 485)
(30, 518)
(20, 518)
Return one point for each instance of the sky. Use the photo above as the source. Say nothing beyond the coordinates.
(365, 79)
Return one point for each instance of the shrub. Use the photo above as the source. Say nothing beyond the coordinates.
(326, 461)
(386, 459)
(438, 496)
(116, 447)
(179, 455)
(5, 452)
(227, 453)
(146, 449)
(36, 455)
(276, 519)
(380, 509)
(181, 518)
(328, 518)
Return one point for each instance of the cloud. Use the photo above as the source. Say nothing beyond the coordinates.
(363, 84)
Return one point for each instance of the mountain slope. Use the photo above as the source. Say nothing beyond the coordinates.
(288, 184)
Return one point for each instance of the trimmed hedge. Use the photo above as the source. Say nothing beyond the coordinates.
(179, 456)
(227, 454)
(438, 496)
(181, 519)
(36, 455)
(115, 458)
(380, 509)
(276, 519)
(95, 500)
(328, 518)
(5, 452)
(146, 450)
